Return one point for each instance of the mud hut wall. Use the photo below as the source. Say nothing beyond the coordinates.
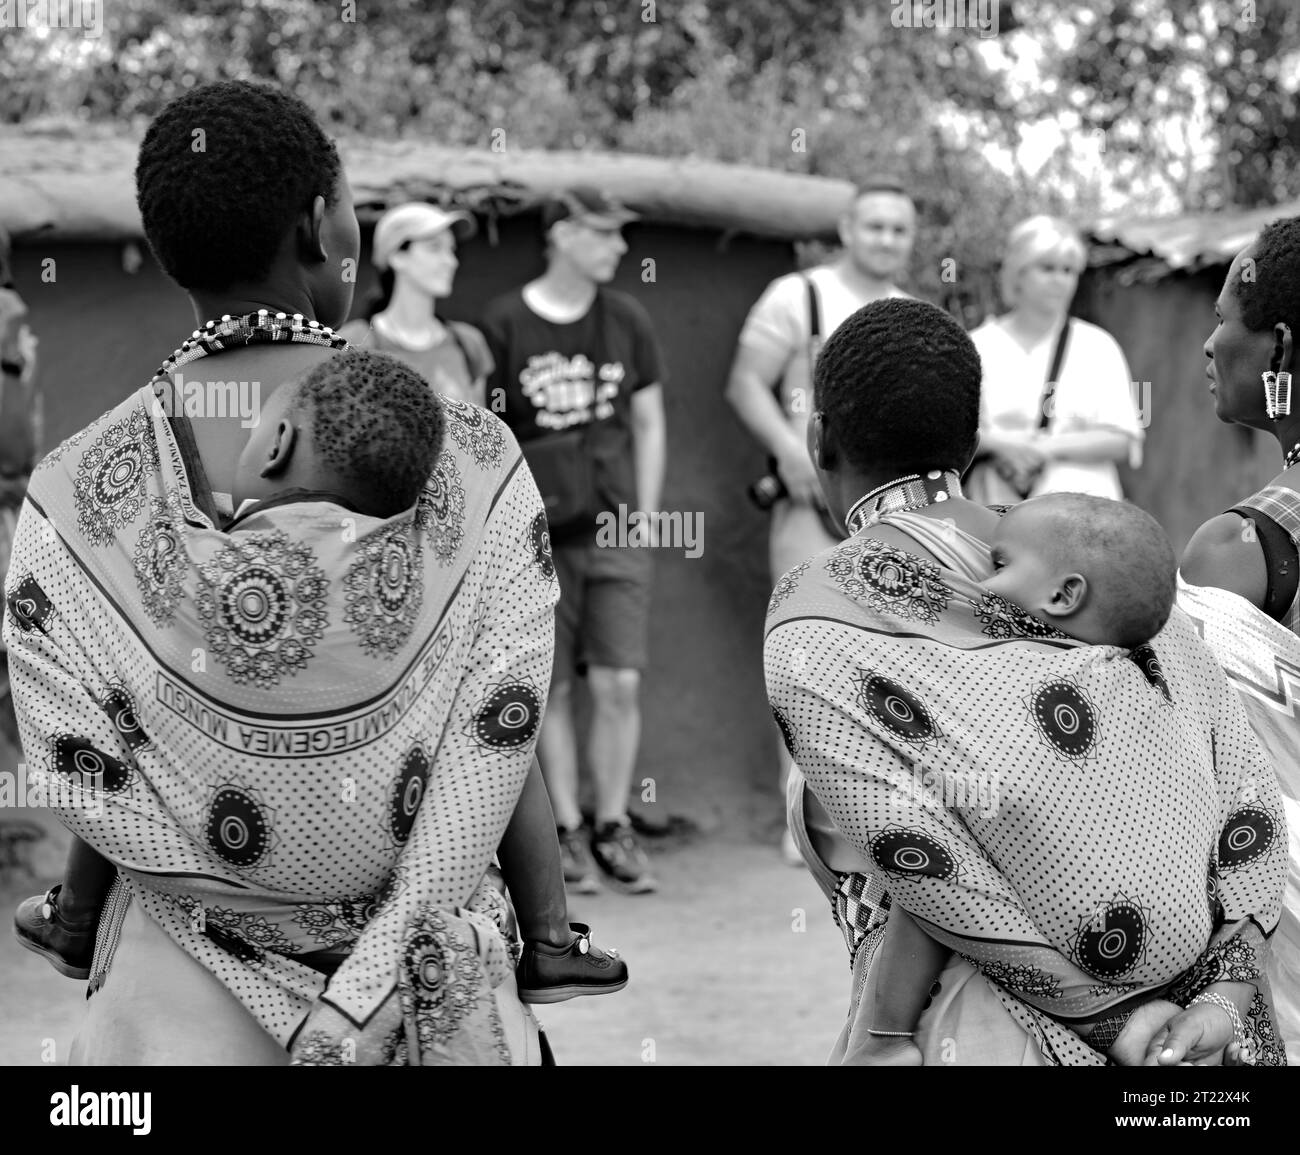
(1194, 465)
(708, 740)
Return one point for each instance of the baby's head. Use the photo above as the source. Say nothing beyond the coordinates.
(362, 425)
(1101, 571)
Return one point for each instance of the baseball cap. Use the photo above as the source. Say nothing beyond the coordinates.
(413, 221)
(587, 206)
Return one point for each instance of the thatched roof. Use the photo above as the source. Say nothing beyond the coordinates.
(80, 187)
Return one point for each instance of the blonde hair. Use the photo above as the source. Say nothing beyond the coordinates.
(1031, 241)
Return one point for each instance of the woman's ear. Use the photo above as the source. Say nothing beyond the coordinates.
(1068, 597)
(283, 442)
(1282, 349)
(312, 231)
(820, 448)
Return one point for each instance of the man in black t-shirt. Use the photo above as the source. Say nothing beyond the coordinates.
(578, 379)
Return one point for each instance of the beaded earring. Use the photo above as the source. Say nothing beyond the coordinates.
(1277, 394)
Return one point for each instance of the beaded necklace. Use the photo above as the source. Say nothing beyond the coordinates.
(1292, 456)
(903, 493)
(260, 328)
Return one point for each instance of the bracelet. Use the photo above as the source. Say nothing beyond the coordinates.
(1228, 1007)
(890, 1034)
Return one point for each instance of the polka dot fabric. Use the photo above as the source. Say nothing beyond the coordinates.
(1044, 807)
(306, 734)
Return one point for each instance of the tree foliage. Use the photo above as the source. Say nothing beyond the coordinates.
(804, 85)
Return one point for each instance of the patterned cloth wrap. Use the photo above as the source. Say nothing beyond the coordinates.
(1262, 661)
(305, 735)
(1088, 827)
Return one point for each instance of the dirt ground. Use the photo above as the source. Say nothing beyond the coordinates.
(734, 961)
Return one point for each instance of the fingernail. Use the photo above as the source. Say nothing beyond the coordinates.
(1167, 1053)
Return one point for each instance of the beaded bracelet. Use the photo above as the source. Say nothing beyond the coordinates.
(891, 1034)
(1229, 1007)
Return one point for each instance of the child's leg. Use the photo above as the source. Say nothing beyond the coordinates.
(910, 960)
(530, 862)
(60, 926)
(86, 881)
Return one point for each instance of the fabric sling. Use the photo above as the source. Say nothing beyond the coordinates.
(1262, 662)
(220, 714)
(970, 752)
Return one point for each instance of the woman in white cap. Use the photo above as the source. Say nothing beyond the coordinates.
(414, 249)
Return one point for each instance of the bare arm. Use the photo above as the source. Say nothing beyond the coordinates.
(649, 445)
(1087, 445)
(754, 375)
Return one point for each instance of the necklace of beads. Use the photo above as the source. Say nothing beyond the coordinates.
(903, 493)
(260, 328)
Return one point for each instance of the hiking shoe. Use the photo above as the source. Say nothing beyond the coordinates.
(67, 946)
(551, 974)
(618, 853)
(575, 857)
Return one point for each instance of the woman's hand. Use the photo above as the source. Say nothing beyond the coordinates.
(1196, 1036)
(1148, 1022)
(887, 1051)
(13, 317)
(795, 468)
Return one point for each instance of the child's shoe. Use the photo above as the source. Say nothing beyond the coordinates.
(68, 947)
(551, 974)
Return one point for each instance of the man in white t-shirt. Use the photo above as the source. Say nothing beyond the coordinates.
(770, 386)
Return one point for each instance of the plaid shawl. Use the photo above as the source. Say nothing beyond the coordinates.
(1262, 662)
(1087, 826)
(308, 734)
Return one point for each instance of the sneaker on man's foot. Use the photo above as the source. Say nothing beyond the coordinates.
(551, 974)
(575, 857)
(619, 855)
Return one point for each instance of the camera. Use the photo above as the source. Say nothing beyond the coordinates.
(767, 491)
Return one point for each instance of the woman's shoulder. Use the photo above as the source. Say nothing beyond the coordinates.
(1091, 336)
(473, 346)
(1225, 553)
(989, 332)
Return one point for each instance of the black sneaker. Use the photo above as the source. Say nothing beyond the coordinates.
(551, 974)
(575, 857)
(68, 947)
(618, 853)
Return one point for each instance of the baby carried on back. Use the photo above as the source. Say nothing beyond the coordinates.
(1088, 824)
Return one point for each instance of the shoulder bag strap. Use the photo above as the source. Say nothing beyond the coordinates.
(1053, 373)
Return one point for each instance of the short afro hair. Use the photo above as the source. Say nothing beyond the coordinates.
(216, 217)
(898, 385)
(1126, 555)
(1272, 294)
(377, 423)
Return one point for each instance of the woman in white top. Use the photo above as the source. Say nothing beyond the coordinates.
(1093, 422)
(414, 249)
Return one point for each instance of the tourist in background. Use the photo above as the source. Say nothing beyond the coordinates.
(414, 249)
(1057, 407)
